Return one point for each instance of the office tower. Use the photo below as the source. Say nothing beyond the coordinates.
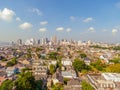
(19, 42)
(39, 42)
(44, 41)
(54, 39)
(30, 42)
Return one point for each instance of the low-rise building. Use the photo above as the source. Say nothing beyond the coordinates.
(66, 62)
(112, 76)
(39, 69)
(100, 83)
(57, 77)
(73, 84)
(69, 74)
(11, 71)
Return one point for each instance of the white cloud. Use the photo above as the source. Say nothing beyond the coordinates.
(43, 29)
(59, 29)
(37, 11)
(18, 19)
(114, 31)
(117, 27)
(91, 29)
(25, 25)
(72, 18)
(76, 18)
(44, 22)
(7, 14)
(89, 19)
(68, 29)
(104, 30)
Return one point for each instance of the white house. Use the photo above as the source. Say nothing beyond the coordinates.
(66, 62)
(11, 70)
(69, 74)
(112, 76)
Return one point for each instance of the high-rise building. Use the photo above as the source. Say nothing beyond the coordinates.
(44, 41)
(30, 42)
(39, 42)
(19, 42)
(89, 42)
(54, 39)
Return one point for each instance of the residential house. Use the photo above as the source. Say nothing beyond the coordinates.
(100, 83)
(73, 84)
(39, 69)
(66, 62)
(12, 70)
(57, 77)
(87, 61)
(69, 74)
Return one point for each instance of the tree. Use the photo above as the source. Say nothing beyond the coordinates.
(99, 65)
(39, 85)
(3, 58)
(39, 49)
(57, 86)
(52, 69)
(80, 65)
(83, 55)
(12, 62)
(116, 48)
(25, 82)
(38, 55)
(26, 69)
(29, 54)
(59, 64)
(115, 60)
(113, 68)
(86, 86)
(6, 85)
(58, 48)
(53, 55)
(66, 80)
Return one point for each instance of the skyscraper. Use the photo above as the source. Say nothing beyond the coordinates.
(54, 39)
(19, 42)
(30, 42)
(39, 42)
(44, 41)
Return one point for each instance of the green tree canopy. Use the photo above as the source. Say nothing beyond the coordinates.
(3, 58)
(25, 82)
(83, 55)
(86, 86)
(98, 65)
(80, 65)
(52, 69)
(6, 85)
(57, 86)
(53, 55)
(39, 49)
(12, 62)
(115, 60)
(115, 68)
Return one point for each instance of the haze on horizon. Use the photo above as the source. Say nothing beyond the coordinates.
(96, 20)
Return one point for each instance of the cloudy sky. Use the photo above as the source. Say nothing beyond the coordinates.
(96, 20)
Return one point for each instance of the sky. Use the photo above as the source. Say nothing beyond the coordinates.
(95, 20)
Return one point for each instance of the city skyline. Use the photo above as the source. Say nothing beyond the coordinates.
(74, 19)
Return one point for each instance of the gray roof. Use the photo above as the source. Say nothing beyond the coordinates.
(73, 82)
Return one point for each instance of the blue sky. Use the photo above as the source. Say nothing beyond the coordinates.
(96, 20)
